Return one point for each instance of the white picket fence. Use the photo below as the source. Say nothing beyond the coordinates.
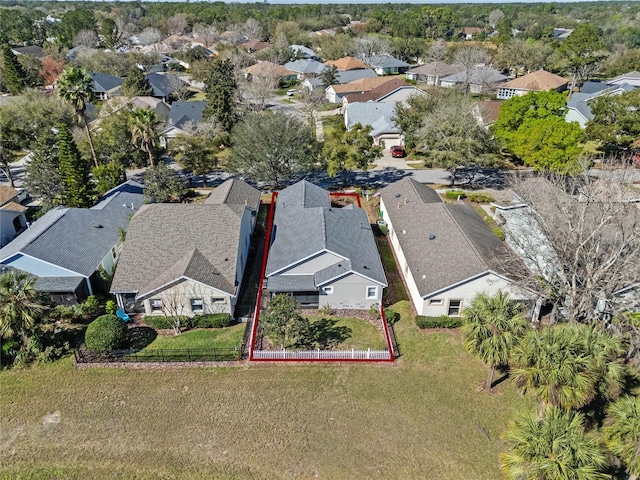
(353, 354)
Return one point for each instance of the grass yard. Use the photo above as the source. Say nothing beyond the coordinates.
(228, 337)
(424, 417)
(359, 334)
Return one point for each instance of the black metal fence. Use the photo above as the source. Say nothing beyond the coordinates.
(82, 355)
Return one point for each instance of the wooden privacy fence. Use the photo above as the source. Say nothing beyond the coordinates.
(353, 354)
(82, 355)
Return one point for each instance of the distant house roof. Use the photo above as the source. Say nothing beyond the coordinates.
(32, 50)
(77, 239)
(306, 66)
(103, 83)
(384, 61)
(561, 33)
(13, 207)
(7, 194)
(471, 30)
(489, 111)
(368, 113)
(306, 52)
(352, 75)
(538, 81)
(347, 63)
(479, 75)
(593, 87)
(266, 68)
(436, 69)
(580, 101)
(182, 112)
(254, 45)
(362, 85)
(379, 92)
(630, 77)
(401, 94)
(461, 238)
(162, 84)
(237, 194)
(305, 224)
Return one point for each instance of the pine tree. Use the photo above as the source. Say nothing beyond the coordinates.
(14, 75)
(220, 88)
(136, 84)
(77, 189)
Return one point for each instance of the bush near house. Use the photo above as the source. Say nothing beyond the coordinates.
(481, 198)
(391, 315)
(442, 321)
(105, 333)
(213, 320)
(454, 194)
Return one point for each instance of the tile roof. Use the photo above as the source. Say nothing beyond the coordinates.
(305, 225)
(538, 81)
(463, 246)
(171, 240)
(347, 63)
(362, 84)
(436, 69)
(77, 239)
(7, 194)
(237, 194)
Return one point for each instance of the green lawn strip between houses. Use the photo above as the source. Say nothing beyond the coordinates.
(228, 337)
(423, 417)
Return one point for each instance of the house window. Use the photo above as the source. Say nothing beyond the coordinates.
(197, 305)
(454, 308)
(372, 292)
(328, 290)
(217, 300)
(156, 305)
(114, 252)
(435, 301)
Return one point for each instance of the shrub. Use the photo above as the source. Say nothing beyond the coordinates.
(374, 311)
(391, 315)
(159, 322)
(326, 309)
(61, 312)
(454, 194)
(111, 307)
(213, 320)
(499, 233)
(481, 198)
(438, 322)
(91, 306)
(105, 333)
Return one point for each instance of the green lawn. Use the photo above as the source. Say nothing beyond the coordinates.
(424, 417)
(360, 334)
(228, 337)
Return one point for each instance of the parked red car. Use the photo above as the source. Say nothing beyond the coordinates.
(398, 152)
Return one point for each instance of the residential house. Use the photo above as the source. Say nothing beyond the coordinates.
(378, 116)
(561, 33)
(267, 69)
(579, 107)
(401, 95)
(392, 85)
(468, 32)
(314, 83)
(480, 79)
(233, 38)
(164, 85)
(306, 68)
(446, 253)
(327, 32)
(31, 50)
(630, 78)
(254, 46)
(305, 52)
(487, 112)
(188, 259)
(386, 64)
(321, 254)
(12, 218)
(105, 86)
(184, 117)
(347, 63)
(432, 73)
(538, 81)
(335, 93)
(69, 250)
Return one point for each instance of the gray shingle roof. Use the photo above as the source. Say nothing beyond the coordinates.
(305, 225)
(306, 65)
(57, 284)
(352, 75)
(438, 69)
(366, 113)
(168, 241)
(237, 194)
(463, 246)
(102, 82)
(77, 239)
(162, 84)
(384, 61)
(479, 75)
(182, 112)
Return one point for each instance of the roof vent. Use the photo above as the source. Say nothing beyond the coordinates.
(432, 237)
(404, 232)
(96, 225)
(397, 195)
(424, 277)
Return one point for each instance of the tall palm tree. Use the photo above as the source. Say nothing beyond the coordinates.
(19, 308)
(494, 324)
(622, 432)
(75, 86)
(568, 365)
(144, 133)
(554, 447)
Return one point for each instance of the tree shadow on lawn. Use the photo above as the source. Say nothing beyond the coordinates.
(140, 337)
(324, 334)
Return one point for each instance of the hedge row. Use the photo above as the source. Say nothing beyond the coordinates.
(212, 320)
(438, 322)
(455, 194)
